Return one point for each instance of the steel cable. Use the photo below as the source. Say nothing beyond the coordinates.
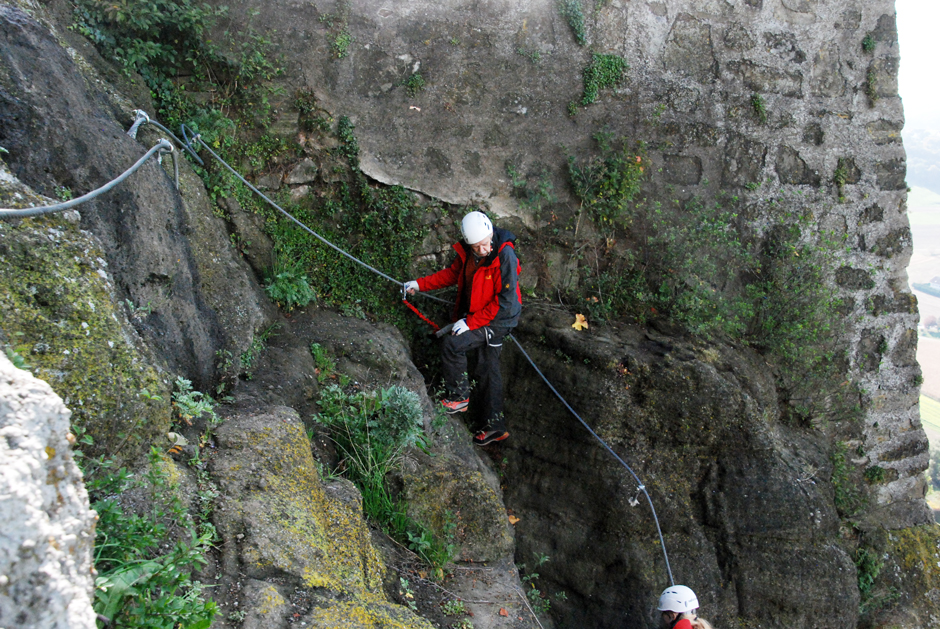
(640, 486)
(163, 146)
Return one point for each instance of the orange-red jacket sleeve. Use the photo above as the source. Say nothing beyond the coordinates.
(443, 278)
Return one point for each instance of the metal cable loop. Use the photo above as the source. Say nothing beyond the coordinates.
(142, 118)
(163, 146)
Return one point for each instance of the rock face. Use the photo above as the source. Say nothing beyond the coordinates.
(288, 530)
(171, 256)
(762, 100)
(771, 102)
(747, 518)
(48, 530)
(58, 310)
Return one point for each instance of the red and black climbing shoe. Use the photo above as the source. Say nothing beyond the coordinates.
(485, 437)
(455, 406)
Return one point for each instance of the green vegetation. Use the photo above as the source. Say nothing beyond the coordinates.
(869, 43)
(700, 266)
(250, 356)
(166, 41)
(289, 289)
(608, 183)
(539, 601)
(760, 107)
(871, 86)
(875, 474)
(848, 500)
(414, 84)
(532, 55)
(18, 361)
(454, 608)
(190, 405)
(145, 559)
(840, 177)
(324, 365)
(573, 12)
(380, 225)
(371, 432)
(145, 556)
(337, 25)
(605, 71)
(869, 564)
(312, 117)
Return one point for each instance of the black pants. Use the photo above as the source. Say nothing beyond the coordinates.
(489, 378)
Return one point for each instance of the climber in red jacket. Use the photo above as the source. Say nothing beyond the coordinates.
(679, 605)
(486, 273)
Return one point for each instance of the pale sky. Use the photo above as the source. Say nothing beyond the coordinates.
(919, 80)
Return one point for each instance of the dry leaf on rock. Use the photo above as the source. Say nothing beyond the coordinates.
(580, 322)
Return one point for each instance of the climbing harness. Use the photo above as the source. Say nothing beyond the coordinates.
(163, 146)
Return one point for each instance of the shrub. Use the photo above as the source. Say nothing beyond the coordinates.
(760, 107)
(371, 432)
(289, 290)
(414, 84)
(573, 12)
(145, 560)
(608, 183)
(167, 40)
(191, 405)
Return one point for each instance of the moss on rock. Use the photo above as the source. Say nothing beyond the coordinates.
(275, 503)
(57, 311)
(370, 613)
(459, 504)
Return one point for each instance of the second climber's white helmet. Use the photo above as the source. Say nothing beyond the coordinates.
(475, 227)
(679, 599)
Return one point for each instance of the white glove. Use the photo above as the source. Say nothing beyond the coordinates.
(460, 327)
(412, 287)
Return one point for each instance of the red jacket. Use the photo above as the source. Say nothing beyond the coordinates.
(495, 297)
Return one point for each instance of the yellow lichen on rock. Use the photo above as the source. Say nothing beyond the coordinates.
(271, 601)
(273, 491)
(370, 612)
(918, 552)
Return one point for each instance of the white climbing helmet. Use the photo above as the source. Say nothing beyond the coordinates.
(475, 227)
(679, 599)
